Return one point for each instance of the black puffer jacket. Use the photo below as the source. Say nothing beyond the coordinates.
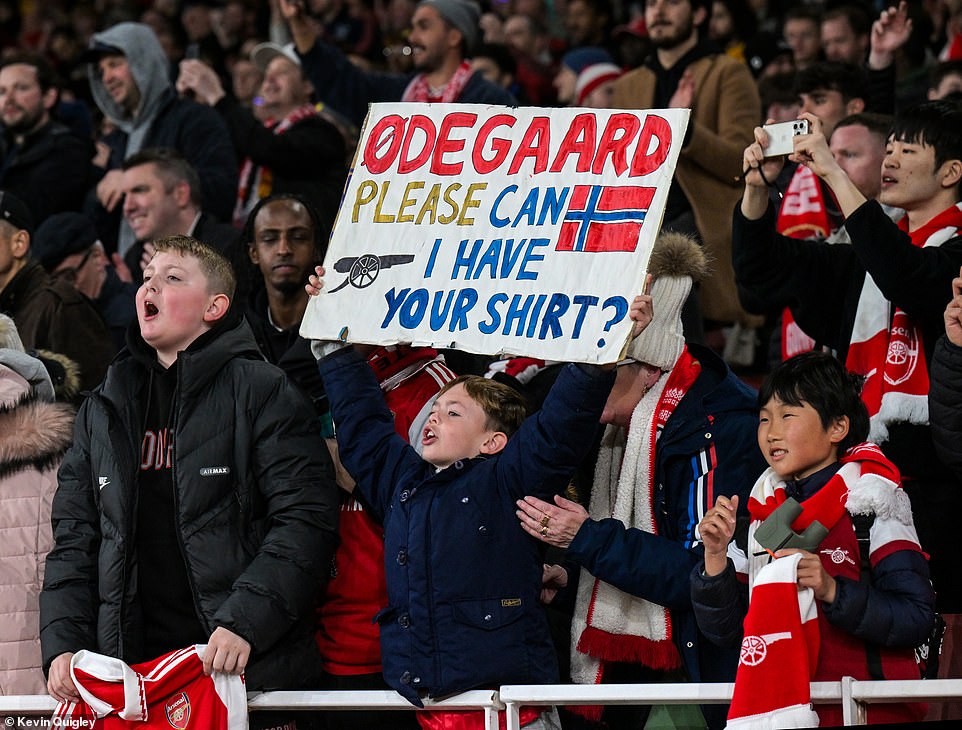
(256, 509)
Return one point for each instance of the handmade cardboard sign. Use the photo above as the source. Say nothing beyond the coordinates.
(494, 230)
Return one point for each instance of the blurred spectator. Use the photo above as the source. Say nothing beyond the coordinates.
(47, 165)
(50, 314)
(65, 49)
(67, 246)
(496, 63)
(246, 80)
(631, 45)
(293, 151)
(595, 86)
(442, 36)
(946, 79)
(802, 32)
(768, 55)
(195, 19)
(396, 25)
(528, 39)
(572, 64)
(779, 101)
(732, 24)
(349, 26)
(35, 433)
(588, 22)
(130, 84)
(845, 34)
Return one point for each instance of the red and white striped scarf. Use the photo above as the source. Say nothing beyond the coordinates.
(887, 345)
(419, 90)
(780, 648)
(609, 625)
(257, 181)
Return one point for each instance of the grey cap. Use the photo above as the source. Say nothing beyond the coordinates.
(462, 14)
(263, 53)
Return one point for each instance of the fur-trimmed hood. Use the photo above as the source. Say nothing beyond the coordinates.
(33, 432)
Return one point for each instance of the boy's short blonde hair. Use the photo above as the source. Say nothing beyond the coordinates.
(216, 268)
(505, 407)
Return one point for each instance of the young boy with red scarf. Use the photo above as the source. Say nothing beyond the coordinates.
(878, 303)
(814, 613)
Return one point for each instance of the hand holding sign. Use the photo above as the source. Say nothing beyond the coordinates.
(463, 227)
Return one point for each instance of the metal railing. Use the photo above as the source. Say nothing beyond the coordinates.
(853, 695)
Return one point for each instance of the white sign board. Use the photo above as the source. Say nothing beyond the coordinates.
(497, 230)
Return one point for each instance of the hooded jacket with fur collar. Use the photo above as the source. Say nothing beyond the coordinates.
(34, 434)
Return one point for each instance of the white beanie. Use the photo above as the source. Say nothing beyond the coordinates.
(677, 261)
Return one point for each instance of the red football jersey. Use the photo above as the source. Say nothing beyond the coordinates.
(171, 691)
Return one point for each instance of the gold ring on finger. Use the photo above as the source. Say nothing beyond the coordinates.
(544, 531)
(544, 520)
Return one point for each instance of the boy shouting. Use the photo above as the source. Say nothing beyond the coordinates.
(463, 579)
(197, 503)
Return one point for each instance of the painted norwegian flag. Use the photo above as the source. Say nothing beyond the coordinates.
(603, 218)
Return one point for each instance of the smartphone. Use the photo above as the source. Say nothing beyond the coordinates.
(780, 136)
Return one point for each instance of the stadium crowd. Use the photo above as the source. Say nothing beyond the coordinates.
(178, 465)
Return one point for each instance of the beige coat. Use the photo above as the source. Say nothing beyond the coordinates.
(34, 434)
(725, 110)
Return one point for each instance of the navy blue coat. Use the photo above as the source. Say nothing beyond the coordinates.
(463, 578)
(708, 448)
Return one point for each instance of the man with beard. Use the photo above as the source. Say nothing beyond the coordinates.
(47, 165)
(688, 70)
(442, 35)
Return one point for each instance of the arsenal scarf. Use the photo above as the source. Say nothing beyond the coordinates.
(803, 215)
(780, 648)
(887, 345)
(257, 181)
(419, 90)
(608, 624)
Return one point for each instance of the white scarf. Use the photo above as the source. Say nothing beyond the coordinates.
(627, 464)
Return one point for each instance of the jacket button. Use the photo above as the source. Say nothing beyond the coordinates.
(402, 557)
(465, 500)
(482, 530)
(689, 645)
(404, 620)
(406, 678)
(405, 495)
(459, 464)
(708, 435)
(416, 680)
(487, 617)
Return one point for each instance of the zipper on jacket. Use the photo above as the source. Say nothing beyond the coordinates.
(129, 467)
(173, 420)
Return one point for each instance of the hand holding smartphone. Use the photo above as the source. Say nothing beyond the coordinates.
(781, 136)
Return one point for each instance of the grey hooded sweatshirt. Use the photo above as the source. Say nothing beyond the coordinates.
(164, 120)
